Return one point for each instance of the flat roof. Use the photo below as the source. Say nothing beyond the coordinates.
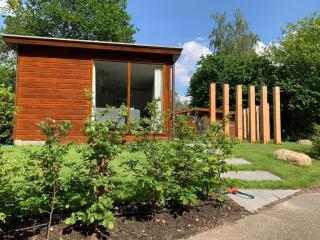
(90, 44)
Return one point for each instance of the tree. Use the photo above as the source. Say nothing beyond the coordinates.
(79, 19)
(256, 70)
(298, 61)
(232, 39)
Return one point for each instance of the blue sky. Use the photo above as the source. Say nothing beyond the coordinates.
(187, 23)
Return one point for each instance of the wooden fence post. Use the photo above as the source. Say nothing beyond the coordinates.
(226, 108)
(258, 123)
(239, 112)
(212, 92)
(252, 114)
(265, 126)
(245, 125)
(276, 115)
(268, 123)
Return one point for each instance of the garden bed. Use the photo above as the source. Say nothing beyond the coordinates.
(157, 226)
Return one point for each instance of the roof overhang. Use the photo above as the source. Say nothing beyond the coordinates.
(175, 52)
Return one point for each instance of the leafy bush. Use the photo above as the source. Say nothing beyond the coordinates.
(51, 158)
(7, 112)
(181, 171)
(316, 141)
(104, 143)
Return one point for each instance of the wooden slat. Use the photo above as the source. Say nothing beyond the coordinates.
(212, 93)
(277, 115)
(30, 75)
(57, 90)
(60, 85)
(54, 96)
(252, 114)
(265, 130)
(51, 101)
(32, 59)
(226, 108)
(258, 123)
(239, 113)
(245, 125)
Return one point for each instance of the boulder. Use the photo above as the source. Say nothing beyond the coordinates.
(305, 142)
(293, 157)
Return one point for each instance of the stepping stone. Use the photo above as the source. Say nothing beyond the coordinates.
(237, 161)
(262, 197)
(251, 175)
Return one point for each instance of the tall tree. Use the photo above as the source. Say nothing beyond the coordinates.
(232, 38)
(298, 59)
(104, 20)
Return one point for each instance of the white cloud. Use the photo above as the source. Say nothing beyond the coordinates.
(3, 5)
(186, 65)
(260, 48)
(183, 99)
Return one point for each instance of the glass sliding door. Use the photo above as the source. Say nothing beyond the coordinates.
(146, 85)
(111, 88)
(111, 84)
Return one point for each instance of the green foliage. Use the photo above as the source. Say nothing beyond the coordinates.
(78, 19)
(7, 112)
(255, 70)
(181, 171)
(316, 141)
(298, 61)
(104, 142)
(51, 158)
(232, 39)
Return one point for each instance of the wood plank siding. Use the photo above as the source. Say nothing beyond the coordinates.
(51, 83)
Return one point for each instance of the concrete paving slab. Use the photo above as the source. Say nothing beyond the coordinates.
(251, 175)
(262, 197)
(237, 161)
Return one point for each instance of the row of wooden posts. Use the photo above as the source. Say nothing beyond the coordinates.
(252, 123)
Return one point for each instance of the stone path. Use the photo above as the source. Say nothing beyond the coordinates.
(262, 197)
(237, 161)
(251, 175)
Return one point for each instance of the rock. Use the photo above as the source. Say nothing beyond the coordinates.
(293, 157)
(305, 141)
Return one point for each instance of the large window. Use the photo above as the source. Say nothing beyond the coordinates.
(111, 86)
(146, 85)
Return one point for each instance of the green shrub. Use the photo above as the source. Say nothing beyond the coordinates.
(316, 141)
(7, 112)
(51, 159)
(104, 143)
(181, 171)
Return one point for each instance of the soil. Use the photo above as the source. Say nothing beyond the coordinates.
(160, 226)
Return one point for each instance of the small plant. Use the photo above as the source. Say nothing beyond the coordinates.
(104, 142)
(51, 158)
(316, 141)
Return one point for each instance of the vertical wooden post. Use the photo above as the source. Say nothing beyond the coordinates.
(245, 126)
(252, 114)
(239, 112)
(248, 123)
(276, 115)
(212, 102)
(265, 126)
(268, 123)
(226, 108)
(258, 123)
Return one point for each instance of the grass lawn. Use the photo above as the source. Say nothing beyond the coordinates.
(260, 155)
